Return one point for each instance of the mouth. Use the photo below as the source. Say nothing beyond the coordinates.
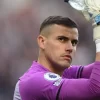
(67, 57)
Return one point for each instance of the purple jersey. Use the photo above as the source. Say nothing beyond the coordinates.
(38, 83)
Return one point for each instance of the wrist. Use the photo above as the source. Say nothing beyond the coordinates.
(97, 42)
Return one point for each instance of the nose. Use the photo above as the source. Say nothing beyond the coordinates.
(69, 47)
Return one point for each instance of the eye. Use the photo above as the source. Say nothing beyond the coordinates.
(63, 39)
(74, 42)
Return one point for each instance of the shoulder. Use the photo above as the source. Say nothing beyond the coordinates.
(41, 78)
(41, 83)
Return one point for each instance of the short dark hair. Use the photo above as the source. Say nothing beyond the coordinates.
(65, 21)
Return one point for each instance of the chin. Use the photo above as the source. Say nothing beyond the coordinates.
(67, 65)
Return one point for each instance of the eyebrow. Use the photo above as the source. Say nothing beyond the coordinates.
(63, 37)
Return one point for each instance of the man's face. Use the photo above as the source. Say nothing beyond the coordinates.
(60, 45)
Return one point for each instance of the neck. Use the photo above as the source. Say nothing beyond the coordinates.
(44, 62)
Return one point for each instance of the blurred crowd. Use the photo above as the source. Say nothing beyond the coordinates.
(19, 27)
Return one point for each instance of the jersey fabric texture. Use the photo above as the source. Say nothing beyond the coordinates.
(76, 83)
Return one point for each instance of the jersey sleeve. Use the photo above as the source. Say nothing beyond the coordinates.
(79, 71)
(87, 70)
(83, 89)
(78, 89)
(50, 86)
(73, 72)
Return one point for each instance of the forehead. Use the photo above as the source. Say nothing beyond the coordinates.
(56, 30)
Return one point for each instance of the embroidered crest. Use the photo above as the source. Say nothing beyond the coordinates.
(51, 76)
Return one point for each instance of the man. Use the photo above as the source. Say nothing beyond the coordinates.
(52, 77)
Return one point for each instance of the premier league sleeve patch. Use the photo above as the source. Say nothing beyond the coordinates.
(51, 76)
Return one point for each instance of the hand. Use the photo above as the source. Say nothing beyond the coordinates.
(92, 10)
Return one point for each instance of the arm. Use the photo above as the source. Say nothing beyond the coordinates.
(86, 71)
(83, 89)
(78, 71)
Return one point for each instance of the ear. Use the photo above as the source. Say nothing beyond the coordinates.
(41, 41)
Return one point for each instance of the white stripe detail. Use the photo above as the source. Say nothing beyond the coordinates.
(16, 93)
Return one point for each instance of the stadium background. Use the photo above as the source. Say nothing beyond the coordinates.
(19, 27)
